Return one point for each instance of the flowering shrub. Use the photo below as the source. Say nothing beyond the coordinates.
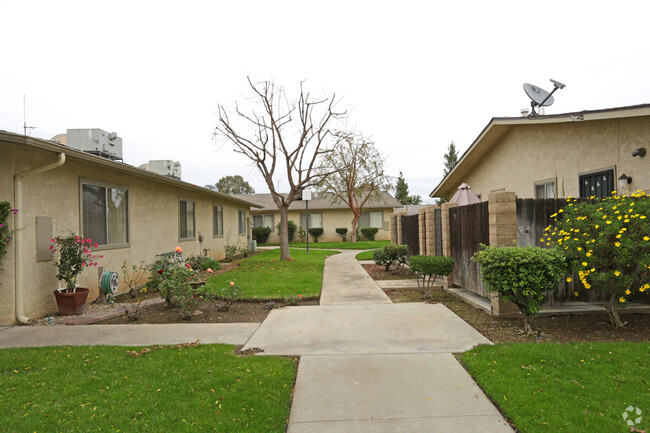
(159, 266)
(74, 256)
(178, 287)
(607, 244)
(521, 275)
(6, 235)
(203, 262)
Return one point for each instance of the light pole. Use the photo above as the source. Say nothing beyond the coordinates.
(306, 196)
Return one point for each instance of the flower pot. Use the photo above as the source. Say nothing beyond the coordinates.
(71, 303)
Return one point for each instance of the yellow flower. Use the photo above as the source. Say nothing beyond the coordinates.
(596, 226)
(617, 273)
(579, 248)
(560, 211)
(627, 292)
(608, 222)
(642, 217)
(568, 280)
(618, 236)
(587, 285)
(621, 299)
(584, 264)
(645, 238)
(626, 220)
(588, 254)
(617, 244)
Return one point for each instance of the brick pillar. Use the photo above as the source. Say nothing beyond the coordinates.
(422, 231)
(400, 241)
(430, 223)
(502, 209)
(446, 236)
(391, 228)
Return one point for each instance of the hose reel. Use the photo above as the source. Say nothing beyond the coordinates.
(109, 282)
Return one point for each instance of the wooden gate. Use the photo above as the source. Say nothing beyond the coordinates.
(437, 227)
(411, 234)
(469, 226)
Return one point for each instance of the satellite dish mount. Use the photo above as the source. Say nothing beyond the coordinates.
(540, 97)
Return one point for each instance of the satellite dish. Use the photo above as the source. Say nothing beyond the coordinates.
(540, 97)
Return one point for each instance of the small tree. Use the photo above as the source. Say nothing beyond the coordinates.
(431, 267)
(607, 244)
(357, 174)
(234, 185)
(521, 275)
(390, 255)
(451, 158)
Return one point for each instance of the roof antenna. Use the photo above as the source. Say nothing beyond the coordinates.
(540, 97)
(25, 127)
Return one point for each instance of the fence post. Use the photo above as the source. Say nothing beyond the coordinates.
(502, 208)
(430, 228)
(400, 237)
(392, 225)
(446, 236)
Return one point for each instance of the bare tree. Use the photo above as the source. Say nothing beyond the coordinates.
(357, 176)
(281, 135)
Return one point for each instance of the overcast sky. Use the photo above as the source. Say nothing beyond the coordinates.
(414, 75)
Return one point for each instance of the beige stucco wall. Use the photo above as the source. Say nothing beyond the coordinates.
(332, 219)
(529, 154)
(153, 215)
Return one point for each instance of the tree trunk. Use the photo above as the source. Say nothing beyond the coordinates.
(354, 227)
(284, 233)
(528, 329)
(612, 312)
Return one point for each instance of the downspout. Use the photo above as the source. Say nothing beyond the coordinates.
(18, 238)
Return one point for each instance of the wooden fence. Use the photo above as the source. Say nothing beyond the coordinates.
(469, 226)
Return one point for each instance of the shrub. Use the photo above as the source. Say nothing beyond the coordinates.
(261, 234)
(521, 275)
(223, 298)
(428, 267)
(5, 234)
(230, 251)
(203, 263)
(607, 244)
(292, 227)
(389, 255)
(159, 266)
(316, 233)
(369, 232)
(179, 288)
(343, 232)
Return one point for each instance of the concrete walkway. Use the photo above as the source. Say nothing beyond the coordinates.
(368, 365)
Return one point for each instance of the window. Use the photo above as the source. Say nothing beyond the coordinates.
(217, 221)
(315, 220)
(242, 222)
(105, 213)
(371, 219)
(263, 221)
(599, 184)
(186, 219)
(545, 190)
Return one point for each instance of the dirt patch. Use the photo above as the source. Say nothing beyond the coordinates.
(561, 328)
(379, 273)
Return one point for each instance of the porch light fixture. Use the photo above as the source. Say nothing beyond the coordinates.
(623, 181)
(639, 152)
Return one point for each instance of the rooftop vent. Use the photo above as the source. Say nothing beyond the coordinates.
(94, 141)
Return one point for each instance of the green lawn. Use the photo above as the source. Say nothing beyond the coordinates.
(170, 388)
(365, 255)
(565, 387)
(361, 245)
(265, 276)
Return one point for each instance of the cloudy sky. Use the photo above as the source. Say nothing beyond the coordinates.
(413, 75)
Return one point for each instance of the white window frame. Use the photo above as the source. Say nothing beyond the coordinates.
(546, 185)
(217, 221)
(265, 222)
(303, 216)
(241, 222)
(362, 226)
(106, 186)
(189, 236)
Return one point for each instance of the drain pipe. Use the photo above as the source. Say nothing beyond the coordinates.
(18, 238)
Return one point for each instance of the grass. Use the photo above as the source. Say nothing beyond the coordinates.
(361, 245)
(170, 388)
(365, 255)
(265, 276)
(565, 387)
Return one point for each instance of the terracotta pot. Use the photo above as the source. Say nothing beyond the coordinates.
(71, 303)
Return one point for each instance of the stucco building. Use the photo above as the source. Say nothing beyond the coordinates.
(133, 214)
(325, 214)
(554, 156)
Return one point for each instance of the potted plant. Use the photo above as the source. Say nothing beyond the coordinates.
(74, 256)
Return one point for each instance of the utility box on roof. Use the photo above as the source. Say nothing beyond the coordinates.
(166, 168)
(96, 141)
